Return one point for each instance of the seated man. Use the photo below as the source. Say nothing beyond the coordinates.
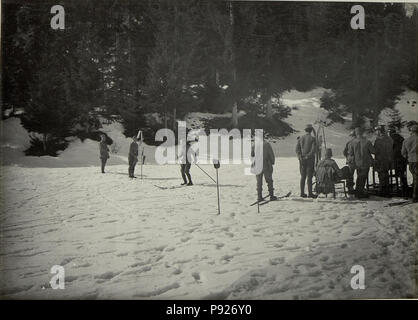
(327, 173)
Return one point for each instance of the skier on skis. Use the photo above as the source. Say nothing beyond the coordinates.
(268, 162)
(104, 151)
(186, 165)
(133, 156)
(305, 150)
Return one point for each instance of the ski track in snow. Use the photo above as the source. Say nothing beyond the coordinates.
(122, 238)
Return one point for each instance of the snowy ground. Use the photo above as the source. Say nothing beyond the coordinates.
(120, 238)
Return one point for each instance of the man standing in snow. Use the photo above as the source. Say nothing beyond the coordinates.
(133, 156)
(268, 162)
(305, 150)
(350, 163)
(409, 152)
(104, 151)
(361, 150)
(383, 159)
(185, 166)
(399, 162)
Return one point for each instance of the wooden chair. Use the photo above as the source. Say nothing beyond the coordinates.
(338, 185)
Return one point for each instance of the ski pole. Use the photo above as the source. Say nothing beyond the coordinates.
(217, 189)
(217, 165)
(142, 160)
(205, 172)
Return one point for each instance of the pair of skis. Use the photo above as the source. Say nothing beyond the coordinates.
(264, 200)
(169, 188)
(400, 203)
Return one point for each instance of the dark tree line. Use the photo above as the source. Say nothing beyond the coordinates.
(125, 60)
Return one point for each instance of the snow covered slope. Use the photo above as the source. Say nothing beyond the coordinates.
(14, 139)
(309, 111)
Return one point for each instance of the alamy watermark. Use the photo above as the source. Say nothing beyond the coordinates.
(358, 280)
(58, 280)
(213, 147)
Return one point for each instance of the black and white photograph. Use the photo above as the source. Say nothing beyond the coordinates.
(208, 150)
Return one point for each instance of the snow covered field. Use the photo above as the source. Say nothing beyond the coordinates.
(120, 238)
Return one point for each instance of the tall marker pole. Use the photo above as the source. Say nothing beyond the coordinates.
(142, 160)
(216, 164)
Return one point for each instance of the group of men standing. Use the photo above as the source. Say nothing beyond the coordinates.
(391, 151)
(132, 155)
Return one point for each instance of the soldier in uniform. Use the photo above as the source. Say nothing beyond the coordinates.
(350, 163)
(383, 147)
(305, 150)
(104, 152)
(409, 152)
(133, 156)
(361, 151)
(399, 162)
(267, 171)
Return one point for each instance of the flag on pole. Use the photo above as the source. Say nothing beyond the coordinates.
(140, 135)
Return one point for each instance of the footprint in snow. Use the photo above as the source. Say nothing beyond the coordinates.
(196, 276)
(177, 271)
(276, 261)
(354, 234)
(226, 258)
(122, 254)
(66, 261)
(107, 275)
(185, 239)
(219, 245)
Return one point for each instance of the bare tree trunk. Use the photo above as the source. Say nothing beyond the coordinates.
(269, 111)
(44, 141)
(232, 62)
(174, 118)
(235, 114)
(217, 77)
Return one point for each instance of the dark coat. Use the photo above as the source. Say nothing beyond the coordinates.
(268, 156)
(383, 147)
(361, 149)
(350, 159)
(305, 147)
(327, 173)
(133, 151)
(409, 148)
(397, 146)
(104, 150)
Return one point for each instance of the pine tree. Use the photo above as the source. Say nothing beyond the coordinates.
(396, 120)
